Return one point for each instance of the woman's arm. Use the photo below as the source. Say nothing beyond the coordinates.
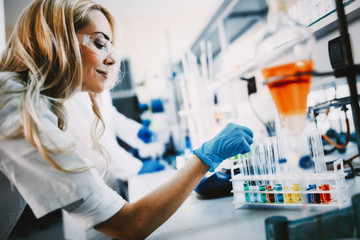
(139, 219)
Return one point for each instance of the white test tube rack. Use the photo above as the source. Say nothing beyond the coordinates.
(336, 180)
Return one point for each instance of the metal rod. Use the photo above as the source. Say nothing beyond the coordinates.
(351, 78)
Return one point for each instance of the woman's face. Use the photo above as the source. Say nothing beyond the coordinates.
(96, 60)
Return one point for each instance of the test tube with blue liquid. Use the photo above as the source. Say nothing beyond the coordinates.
(260, 161)
(254, 174)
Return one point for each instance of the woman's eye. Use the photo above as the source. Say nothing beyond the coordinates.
(99, 44)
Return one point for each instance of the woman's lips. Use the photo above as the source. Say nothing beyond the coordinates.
(103, 73)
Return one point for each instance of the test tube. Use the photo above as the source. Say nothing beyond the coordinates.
(271, 165)
(309, 196)
(326, 196)
(267, 158)
(256, 172)
(279, 197)
(296, 197)
(287, 196)
(284, 170)
(253, 182)
(320, 153)
(247, 195)
(255, 148)
(316, 196)
(255, 196)
(317, 151)
(270, 196)
(310, 188)
(246, 183)
(263, 197)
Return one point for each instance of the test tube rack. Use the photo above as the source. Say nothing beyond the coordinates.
(335, 178)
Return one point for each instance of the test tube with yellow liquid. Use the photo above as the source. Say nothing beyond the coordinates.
(296, 197)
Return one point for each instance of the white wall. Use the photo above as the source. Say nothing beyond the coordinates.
(2, 25)
(150, 40)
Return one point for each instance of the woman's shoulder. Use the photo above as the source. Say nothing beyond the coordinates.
(11, 89)
(10, 81)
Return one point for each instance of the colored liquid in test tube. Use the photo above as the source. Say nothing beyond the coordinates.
(247, 195)
(320, 167)
(270, 196)
(321, 195)
(259, 161)
(287, 187)
(286, 173)
(255, 195)
(296, 197)
(279, 197)
(316, 196)
(263, 198)
(287, 196)
(246, 173)
(278, 161)
(310, 198)
(255, 173)
(326, 196)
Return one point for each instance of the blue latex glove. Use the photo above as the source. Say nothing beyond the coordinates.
(146, 135)
(232, 140)
(157, 105)
(151, 166)
(143, 107)
(146, 122)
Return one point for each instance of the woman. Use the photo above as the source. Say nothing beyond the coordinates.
(60, 47)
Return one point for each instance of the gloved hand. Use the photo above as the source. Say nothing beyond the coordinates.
(146, 135)
(232, 140)
(151, 166)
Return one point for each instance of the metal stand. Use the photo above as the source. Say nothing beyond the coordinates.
(350, 75)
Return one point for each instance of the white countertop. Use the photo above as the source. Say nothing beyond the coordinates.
(209, 219)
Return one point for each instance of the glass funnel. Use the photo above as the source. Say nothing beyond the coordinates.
(285, 58)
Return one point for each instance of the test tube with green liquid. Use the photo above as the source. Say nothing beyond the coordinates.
(259, 159)
(279, 197)
(246, 183)
(247, 195)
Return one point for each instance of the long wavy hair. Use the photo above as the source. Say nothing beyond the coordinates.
(43, 55)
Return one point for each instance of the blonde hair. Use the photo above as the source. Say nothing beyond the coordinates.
(43, 55)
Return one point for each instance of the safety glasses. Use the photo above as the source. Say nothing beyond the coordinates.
(99, 45)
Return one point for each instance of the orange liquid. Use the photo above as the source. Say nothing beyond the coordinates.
(290, 92)
(326, 196)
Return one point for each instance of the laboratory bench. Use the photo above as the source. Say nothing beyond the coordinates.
(215, 218)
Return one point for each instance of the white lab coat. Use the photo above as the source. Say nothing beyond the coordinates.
(40, 185)
(80, 118)
(123, 164)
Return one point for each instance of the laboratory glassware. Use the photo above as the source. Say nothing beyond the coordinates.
(285, 57)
